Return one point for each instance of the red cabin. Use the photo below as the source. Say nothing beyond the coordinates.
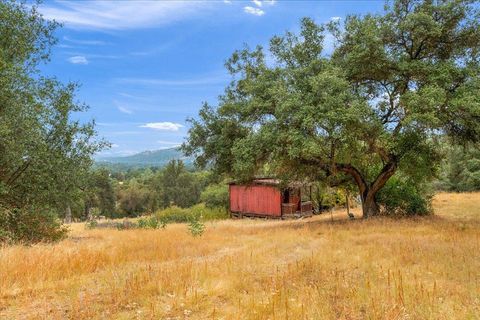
(266, 198)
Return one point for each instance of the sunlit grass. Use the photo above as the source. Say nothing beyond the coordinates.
(426, 268)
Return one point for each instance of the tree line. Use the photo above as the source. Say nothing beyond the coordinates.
(142, 191)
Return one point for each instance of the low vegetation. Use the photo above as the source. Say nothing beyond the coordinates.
(253, 269)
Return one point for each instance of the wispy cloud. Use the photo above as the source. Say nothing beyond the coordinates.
(254, 11)
(124, 110)
(65, 46)
(90, 56)
(258, 3)
(119, 15)
(86, 42)
(164, 126)
(78, 60)
(127, 95)
(335, 19)
(157, 49)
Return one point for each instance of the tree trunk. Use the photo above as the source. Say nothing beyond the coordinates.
(369, 202)
(368, 192)
(68, 215)
(369, 205)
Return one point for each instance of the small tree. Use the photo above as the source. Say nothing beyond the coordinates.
(395, 83)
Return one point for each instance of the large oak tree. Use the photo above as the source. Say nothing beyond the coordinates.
(394, 84)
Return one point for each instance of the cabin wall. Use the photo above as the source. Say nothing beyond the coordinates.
(256, 200)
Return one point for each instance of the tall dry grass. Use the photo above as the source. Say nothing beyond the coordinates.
(322, 268)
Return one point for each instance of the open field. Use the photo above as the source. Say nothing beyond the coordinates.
(425, 268)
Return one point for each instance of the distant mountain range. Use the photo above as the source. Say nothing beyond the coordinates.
(155, 158)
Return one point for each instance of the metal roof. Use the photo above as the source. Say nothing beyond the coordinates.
(272, 182)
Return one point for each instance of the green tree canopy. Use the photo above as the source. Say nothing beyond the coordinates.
(394, 84)
(44, 154)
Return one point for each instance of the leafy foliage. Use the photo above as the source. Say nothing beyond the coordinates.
(44, 155)
(147, 190)
(216, 195)
(175, 214)
(401, 197)
(196, 227)
(394, 84)
(30, 225)
(461, 169)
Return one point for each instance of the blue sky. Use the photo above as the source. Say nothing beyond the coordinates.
(145, 66)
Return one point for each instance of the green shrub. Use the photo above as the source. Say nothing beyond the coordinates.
(200, 211)
(92, 224)
(174, 214)
(215, 195)
(196, 226)
(325, 198)
(30, 225)
(404, 197)
(209, 213)
(151, 222)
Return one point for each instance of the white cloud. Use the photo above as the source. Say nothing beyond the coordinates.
(120, 15)
(65, 46)
(78, 60)
(258, 3)
(335, 19)
(227, 1)
(270, 2)
(115, 145)
(166, 126)
(254, 11)
(124, 110)
(86, 42)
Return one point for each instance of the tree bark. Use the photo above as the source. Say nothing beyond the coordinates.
(369, 202)
(368, 192)
(370, 207)
(68, 215)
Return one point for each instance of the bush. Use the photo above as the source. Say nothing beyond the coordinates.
(325, 198)
(402, 197)
(30, 225)
(92, 224)
(151, 222)
(209, 213)
(174, 214)
(215, 195)
(200, 211)
(196, 227)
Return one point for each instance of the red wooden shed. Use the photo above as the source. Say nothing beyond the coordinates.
(267, 198)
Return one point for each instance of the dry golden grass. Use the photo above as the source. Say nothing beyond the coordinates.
(426, 268)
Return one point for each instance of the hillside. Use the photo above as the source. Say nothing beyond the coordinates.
(154, 158)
